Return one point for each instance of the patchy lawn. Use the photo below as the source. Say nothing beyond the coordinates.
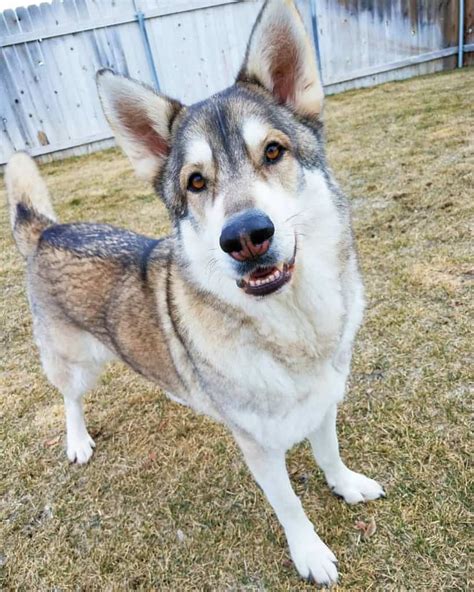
(166, 502)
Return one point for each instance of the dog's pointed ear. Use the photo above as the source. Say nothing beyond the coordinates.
(280, 57)
(141, 121)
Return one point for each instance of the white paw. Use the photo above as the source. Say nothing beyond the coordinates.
(354, 487)
(80, 448)
(312, 558)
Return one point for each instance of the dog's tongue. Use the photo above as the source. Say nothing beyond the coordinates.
(261, 273)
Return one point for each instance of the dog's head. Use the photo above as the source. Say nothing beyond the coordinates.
(240, 172)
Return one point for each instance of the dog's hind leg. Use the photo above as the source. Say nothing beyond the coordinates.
(72, 363)
(351, 486)
(73, 380)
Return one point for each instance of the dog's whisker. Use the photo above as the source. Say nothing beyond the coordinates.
(293, 216)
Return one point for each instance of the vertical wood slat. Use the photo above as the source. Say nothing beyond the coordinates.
(469, 30)
(196, 52)
(50, 120)
(20, 96)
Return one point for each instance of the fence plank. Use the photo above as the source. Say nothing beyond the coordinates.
(119, 19)
(469, 31)
(49, 55)
(18, 82)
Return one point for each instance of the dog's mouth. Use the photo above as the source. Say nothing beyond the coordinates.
(267, 280)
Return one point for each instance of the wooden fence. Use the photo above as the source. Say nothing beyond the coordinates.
(190, 49)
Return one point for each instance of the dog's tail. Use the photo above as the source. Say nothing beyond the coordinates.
(31, 210)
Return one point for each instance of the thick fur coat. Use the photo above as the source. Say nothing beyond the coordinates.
(258, 335)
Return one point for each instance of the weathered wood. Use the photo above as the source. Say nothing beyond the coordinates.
(49, 55)
(468, 32)
(169, 8)
(411, 61)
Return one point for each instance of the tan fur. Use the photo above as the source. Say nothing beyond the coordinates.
(95, 294)
(25, 186)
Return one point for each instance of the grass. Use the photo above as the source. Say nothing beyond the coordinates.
(167, 503)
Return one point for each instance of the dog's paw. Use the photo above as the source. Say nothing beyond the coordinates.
(354, 487)
(80, 448)
(314, 561)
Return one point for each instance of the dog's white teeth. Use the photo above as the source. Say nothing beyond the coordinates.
(275, 275)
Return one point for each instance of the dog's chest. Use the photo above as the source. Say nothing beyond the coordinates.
(272, 374)
(289, 337)
(280, 392)
(287, 412)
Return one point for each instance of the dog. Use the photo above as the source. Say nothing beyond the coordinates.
(248, 311)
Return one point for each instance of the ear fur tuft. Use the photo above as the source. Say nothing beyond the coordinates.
(141, 120)
(280, 57)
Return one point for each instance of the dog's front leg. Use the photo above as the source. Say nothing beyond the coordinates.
(312, 558)
(351, 486)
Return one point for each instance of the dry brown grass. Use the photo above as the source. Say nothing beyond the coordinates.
(166, 502)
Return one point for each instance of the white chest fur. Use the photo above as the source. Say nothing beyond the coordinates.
(287, 365)
(279, 363)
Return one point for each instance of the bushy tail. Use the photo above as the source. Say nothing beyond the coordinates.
(31, 210)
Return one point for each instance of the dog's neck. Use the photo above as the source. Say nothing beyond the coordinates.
(304, 319)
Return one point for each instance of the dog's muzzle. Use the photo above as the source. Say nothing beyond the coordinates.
(247, 238)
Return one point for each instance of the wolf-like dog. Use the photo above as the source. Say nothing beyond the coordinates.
(249, 310)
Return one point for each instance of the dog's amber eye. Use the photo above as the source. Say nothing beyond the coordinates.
(273, 152)
(196, 182)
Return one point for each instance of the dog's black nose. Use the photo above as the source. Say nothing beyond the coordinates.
(247, 235)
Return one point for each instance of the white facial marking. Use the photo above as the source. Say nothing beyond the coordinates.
(198, 151)
(254, 132)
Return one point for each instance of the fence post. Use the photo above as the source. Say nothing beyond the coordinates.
(314, 24)
(461, 34)
(146, 44)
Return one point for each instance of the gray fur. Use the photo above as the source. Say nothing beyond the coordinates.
(272, 368)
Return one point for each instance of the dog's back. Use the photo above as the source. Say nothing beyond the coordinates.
(92, 287)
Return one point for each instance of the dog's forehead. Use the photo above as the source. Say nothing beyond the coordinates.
(254, 130)
(222, 127)
(198, 149)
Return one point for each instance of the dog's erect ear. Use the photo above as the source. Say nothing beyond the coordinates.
(280, 57)
(140, 119)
